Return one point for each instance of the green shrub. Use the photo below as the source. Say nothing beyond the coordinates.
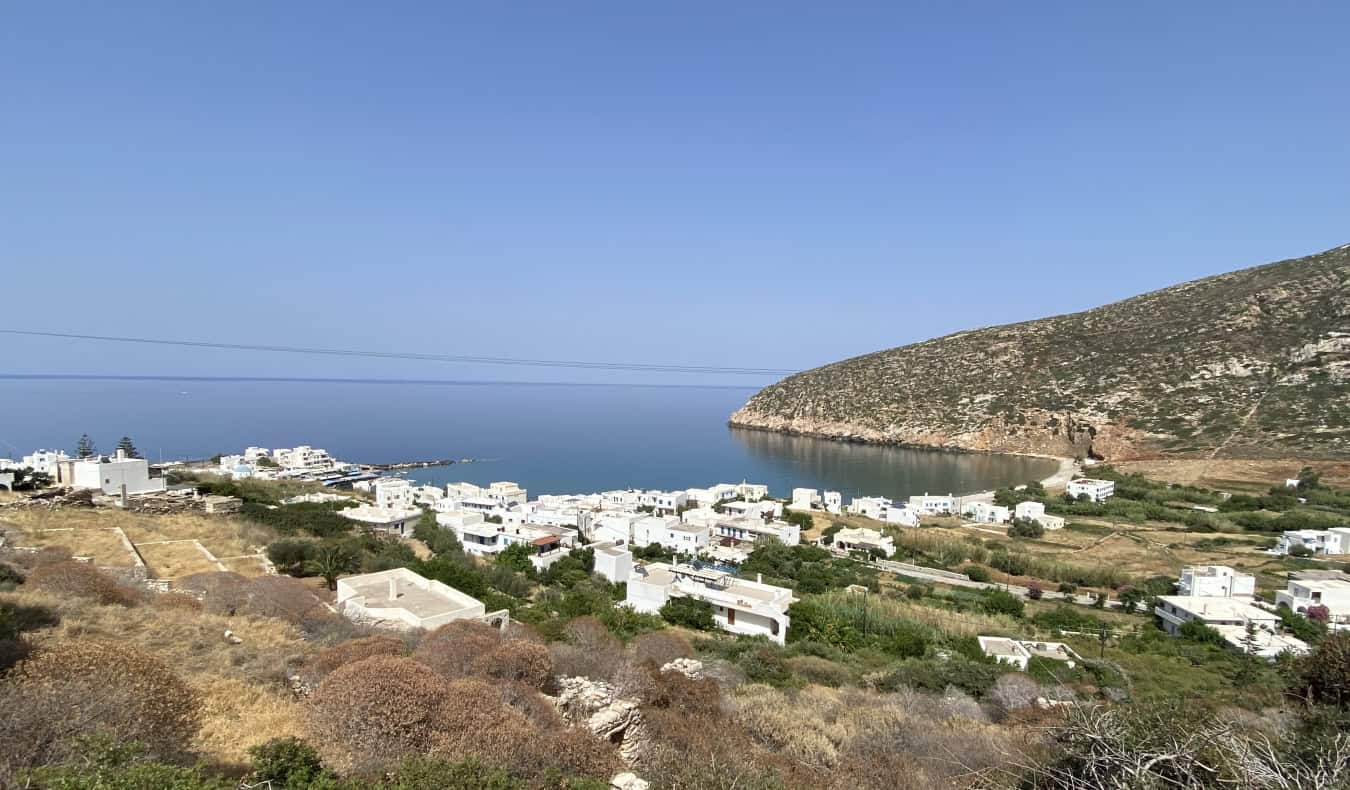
(764, 665)
(1002, 602)
(977, 573)
(287, 762)
(690, 613)
(974, 677)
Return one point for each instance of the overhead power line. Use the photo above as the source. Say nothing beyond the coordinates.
(641, 367)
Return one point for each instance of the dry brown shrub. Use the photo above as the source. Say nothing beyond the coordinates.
(572, 750)
(81, 580)
(290, 599)
(588, 633)
(379, 708)
(318, 667)
(222, 592)
(176, 601)
(453, 648)
(524, 632)
(531, 704)
(1014, 691)
(472, 722)
(48, 555)
(822, 671)
(661, 647)
(97, 685)
(518, 662)
(676, 691)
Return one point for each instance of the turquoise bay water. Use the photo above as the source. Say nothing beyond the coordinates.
(548, 438)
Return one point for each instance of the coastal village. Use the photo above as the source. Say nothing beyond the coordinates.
(706, 533)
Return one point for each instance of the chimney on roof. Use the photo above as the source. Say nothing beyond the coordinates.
(759, 578)
(393, 588)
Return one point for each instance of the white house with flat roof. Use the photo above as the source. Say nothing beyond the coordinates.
(901, 514)
(929, 505)
(1215, 581)
(873, 507)
(114, 475)
(752, 492)
(805, 499)
(763, 510)
(863, 539)
(613, 562)
(393, 492)
(1230, 617)
(394, 520)
(1096, 490)
(739, 606)
(833, 502)
(1035, 511)
(672, 533)
(1332, 593)
(670, 501)
(506, 493)
(1005, 651)
(986, 513)
(44, 461)
(402, 599)
(304, 458)
(1319, 541)
(735, 531)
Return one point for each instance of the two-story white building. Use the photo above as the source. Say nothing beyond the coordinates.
(833, 502)
(1215, 581)
(986, 513)
(739, 606)
(1096, 490)
(1318, 541)
(613, 562)
(873, 507)
(766, 511)
(1329, 589)
(929, 505)
(304, 458)
(752, 492)
(1035, 511)
(393, 492)
(735, 531)
(44, 461)
(670, 532)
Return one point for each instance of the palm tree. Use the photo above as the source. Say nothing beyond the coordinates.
(330, 562)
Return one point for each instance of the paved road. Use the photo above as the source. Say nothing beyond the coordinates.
(939, 576)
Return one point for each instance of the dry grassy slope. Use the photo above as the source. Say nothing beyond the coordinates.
(1253, 363)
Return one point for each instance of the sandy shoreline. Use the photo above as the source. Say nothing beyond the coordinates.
(1061, 477)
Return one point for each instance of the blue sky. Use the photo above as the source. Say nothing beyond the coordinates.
(759, 184)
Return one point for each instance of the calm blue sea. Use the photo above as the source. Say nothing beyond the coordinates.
(549, 438)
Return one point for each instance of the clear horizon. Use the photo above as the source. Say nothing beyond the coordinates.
(763, 186)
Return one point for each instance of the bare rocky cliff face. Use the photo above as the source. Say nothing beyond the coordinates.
(1250, 364)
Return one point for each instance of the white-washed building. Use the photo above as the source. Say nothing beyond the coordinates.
(1215, 581)
(863, 539)
(986, 513)
(1318, 541)
(393, 492)
(1035, 511)
(739, 606)
(112, 475)
(734, 531)
(1096, 490)
(394, 520)
(805, 499)
(752, 492)
(1333, 593)
(44, 461)
(833, 502)
(613, 562)
(929, 505)
(402, 599)
(670, 532)
(1230, 617)
(873, 507)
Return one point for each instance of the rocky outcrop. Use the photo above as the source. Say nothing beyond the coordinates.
(595, 705)
(1250, 364)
